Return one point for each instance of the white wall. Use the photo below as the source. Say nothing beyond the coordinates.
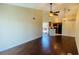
(17, 25)
(68, 28)
(45, 16)
(77, 30)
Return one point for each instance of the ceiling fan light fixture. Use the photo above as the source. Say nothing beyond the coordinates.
(51, 14)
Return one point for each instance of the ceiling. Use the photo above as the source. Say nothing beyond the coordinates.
(45, 6)
(66, 9)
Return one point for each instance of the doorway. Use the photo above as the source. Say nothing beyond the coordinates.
(58, 28)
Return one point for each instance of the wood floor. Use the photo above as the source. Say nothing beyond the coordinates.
(56, 45)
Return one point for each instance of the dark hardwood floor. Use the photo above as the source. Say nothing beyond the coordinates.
(56, 45)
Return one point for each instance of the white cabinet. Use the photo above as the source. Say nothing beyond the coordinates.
(52, 32)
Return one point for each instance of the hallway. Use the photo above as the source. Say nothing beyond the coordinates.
(39, 29)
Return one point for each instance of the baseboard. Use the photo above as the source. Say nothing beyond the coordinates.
(68, 35)
(20, 44)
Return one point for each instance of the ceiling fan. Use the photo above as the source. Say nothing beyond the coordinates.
(53, 13)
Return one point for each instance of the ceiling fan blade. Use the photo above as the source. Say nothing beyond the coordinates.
(55, 14)
(56, 11)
